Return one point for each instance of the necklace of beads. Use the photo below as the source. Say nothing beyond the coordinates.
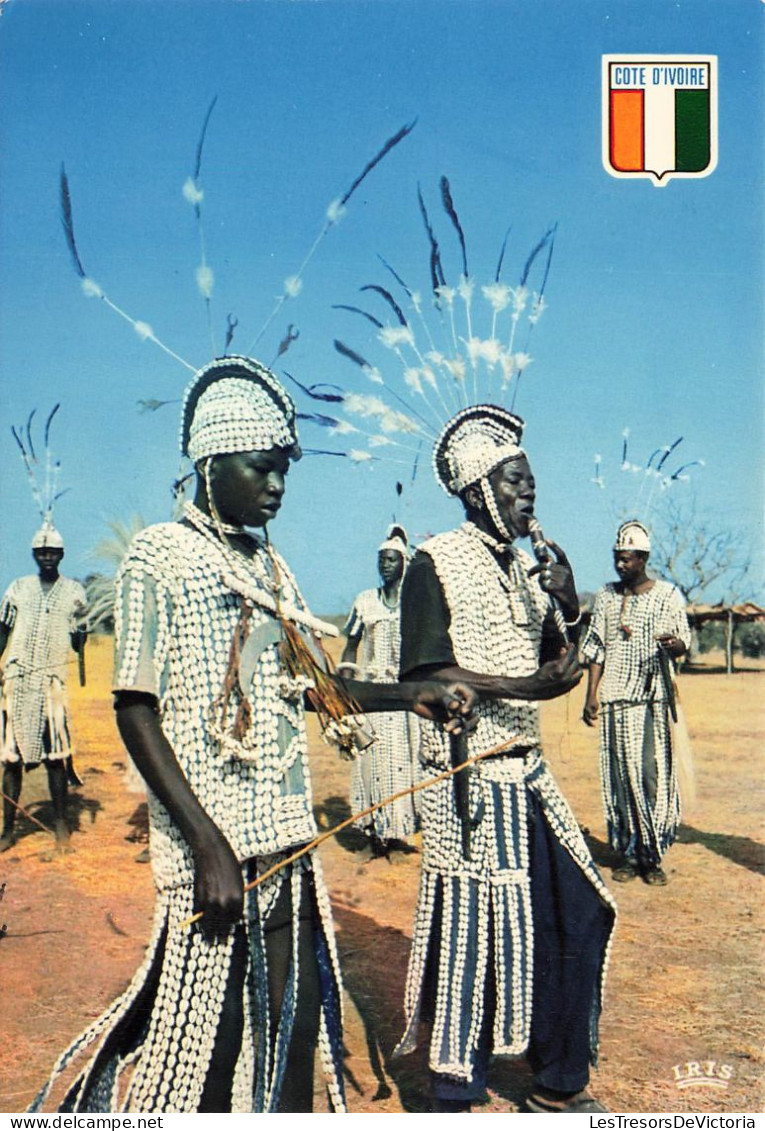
(624, 627)
(390, 603)
(251, 577)
(207, 520)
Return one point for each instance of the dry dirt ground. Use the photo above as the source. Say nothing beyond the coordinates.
(684, 983)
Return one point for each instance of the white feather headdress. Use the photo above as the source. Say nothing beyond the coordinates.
(435, 354)
(642, 482)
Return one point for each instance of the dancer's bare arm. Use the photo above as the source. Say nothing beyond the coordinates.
(218, 885)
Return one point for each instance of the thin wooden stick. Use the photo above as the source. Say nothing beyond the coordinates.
(24, 813)
(513, 741)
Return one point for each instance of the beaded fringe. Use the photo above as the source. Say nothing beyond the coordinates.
(169, 1061)
(472, 912)
(630, 733)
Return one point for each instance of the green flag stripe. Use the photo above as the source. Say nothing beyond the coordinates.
(692, 151)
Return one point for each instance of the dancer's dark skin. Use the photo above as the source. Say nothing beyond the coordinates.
(247, 490)
(48, 560)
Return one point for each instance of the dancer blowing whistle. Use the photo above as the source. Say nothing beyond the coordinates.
(513, 920)
(214, 671)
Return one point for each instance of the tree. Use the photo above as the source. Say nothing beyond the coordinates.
(701, 558)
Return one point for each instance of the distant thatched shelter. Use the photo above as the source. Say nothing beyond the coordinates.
(732, 615)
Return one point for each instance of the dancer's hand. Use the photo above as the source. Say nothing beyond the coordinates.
(557, 579)
(452, 704)
(590, 712)
(556, 677)
(673, 644)
(218, 886)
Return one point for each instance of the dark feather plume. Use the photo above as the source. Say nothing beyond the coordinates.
(179, 484)
(389, 299)
(549, 259)
(231, 325)
(451, 212)
(49, 421)
(535, 252)
(502, 254)
(437, 278)
(680, 470)
(357, 310)
(323, 452)
(319, 418)
(396, 276)
(30, 418)
(68, 223)
(152, 405)
(19, 441)
(312, 390)
(416, 464)
(346, 351)
(291, 336)
(668, 453)
(389, 144)
(201, 142)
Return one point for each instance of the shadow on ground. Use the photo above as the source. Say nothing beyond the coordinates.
(741, 850)
(332, 811)
(80, 810)
(601, 851)
(718, 669)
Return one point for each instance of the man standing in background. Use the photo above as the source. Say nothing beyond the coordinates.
(43, 617)
(638, 629)
(391, 763)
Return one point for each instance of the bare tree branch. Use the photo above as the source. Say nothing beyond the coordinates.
(692, 552)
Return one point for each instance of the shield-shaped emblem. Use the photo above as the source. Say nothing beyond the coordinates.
(659, 116)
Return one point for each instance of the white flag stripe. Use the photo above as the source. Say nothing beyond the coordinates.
(659, 128)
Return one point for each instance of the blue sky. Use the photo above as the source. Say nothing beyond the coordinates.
(654, 319)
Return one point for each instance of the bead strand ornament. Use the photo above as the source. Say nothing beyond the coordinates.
(306, 667)
(340, 717)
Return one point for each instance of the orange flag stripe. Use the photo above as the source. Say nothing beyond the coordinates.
(627, 142)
